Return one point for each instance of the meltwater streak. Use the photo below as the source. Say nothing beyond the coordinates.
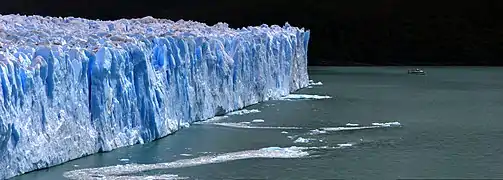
(120, 171)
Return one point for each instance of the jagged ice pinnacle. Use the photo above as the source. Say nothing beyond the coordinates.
(71, 87)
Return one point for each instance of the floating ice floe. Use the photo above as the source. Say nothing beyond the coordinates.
(388, 124)
(317, 131)
(352, 124)
(221, 118)
(345, 145)
(357, 127)
(304, 97)
(125, 171)
(258, 121)
(303, 140)
(312, 83)
(243, 112)
(124, 160)
(247, 125)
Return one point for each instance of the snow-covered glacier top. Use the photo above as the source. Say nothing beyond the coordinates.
(71, 87)
(17, 30)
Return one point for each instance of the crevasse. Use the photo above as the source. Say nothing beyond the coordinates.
(71, 87)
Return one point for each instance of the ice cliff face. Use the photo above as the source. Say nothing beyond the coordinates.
(72, 87)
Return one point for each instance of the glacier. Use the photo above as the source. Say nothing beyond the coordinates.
(72, 87)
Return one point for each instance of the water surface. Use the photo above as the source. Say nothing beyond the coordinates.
(450, 127)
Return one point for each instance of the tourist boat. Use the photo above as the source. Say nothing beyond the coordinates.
(416, 71)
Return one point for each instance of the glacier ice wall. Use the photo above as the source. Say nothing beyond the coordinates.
(71, 87)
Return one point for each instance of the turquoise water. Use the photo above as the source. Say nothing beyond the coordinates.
(450, 127)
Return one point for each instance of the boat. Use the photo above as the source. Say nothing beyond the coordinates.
(416, 71)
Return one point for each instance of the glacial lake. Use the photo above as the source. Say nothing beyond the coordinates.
(381, 123)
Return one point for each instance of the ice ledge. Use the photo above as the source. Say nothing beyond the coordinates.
(70, 87)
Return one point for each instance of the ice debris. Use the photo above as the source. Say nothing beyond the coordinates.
(312, 83)
(243, 112)
(352, 124)
(302, 140)
(258, 121)
(304, 96)
(317, 131)
(352, 127)
(345, 145)
(246, 125)
(126, 171)
(124, 160)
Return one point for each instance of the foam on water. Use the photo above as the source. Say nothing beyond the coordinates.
(122, 171)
